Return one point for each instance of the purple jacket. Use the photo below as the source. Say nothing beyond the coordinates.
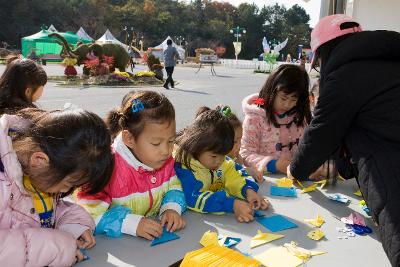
(23, 241)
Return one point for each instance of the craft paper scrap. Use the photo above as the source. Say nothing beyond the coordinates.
(358, 193)
(317, 222)
(258, 213)
(282, 191)
(278, 257)
(228, 241)
(165, 237)
(209, 238)
(322, 183)
(262, 238)
(339, 198)
(285, 182)
(300, 184)
(276, 223)
(354, 218)
(316, 234)
(309, 188)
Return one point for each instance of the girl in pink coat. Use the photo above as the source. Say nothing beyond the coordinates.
(275, 120)
(48, 155)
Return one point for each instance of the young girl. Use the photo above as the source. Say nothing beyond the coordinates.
(275, 120)
(53, 153)
(210, 180)
(20, 85)
(144, 180)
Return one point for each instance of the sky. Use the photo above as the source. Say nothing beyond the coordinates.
(312, 7)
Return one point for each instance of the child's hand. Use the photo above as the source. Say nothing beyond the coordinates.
(149, 229)
(86, 240)
(243, 211)
(173, 220)
(255, 174)
(259, 173)
(79, 256)
(255, 200)
(282, 164)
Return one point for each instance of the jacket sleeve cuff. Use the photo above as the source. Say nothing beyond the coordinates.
(130, 224)
(228, 204)
(76, 230)
(171, 206)
(271, 166)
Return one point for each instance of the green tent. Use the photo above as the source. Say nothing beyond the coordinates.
(43, 44)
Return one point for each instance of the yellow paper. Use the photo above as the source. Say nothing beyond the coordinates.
(317, 222)
(322, 183)
(309, 189)
(316, 234)
(278, 257)
(300, 252)
(262, 238)
(341, 178)
(209, 238)
(285, 182)
(358, 193)
(300, 184)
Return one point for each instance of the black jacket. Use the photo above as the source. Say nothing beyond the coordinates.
(359, 106)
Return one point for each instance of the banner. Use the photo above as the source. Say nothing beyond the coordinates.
(238, 47)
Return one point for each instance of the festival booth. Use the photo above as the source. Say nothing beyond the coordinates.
(108, 38)
(82, 34)
(41, 43)
(158, 50)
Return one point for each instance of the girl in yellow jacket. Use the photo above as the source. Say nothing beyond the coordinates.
(210, 181)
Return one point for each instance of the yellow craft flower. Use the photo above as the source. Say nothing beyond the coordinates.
(145, 74)
(122, 73)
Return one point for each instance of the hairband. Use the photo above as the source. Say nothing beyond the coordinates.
(226, 111)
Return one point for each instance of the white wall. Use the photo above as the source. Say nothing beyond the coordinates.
(376, 14)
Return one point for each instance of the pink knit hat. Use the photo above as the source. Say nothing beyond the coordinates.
(329, 28)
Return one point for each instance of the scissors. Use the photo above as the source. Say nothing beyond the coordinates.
(359, 229)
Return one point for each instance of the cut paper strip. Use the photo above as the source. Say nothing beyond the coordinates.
(165, 237)
(341, 178)
(309, 188)
(258, 213)
(282, 191)
(209, 238)
(317, 222)
(354, 218)
(339, 198)
(262, 238)
(276, 223)
(316, 235)
(300, 184)
(285, 182)
(322, 183)
(278, 257)
(358, 193)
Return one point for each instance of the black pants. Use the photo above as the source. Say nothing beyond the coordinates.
(169, 80)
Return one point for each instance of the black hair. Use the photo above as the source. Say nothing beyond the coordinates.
(210, 131)
(18, 76)
(77, 143)
(289, 79)
(156, 108)
(169, 42)
(232, 118)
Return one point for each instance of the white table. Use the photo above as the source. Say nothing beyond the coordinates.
(355, 251)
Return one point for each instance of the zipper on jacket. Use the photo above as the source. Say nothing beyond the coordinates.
(150, 195)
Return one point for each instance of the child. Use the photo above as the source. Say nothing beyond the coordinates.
(210, 180)
(144, 180)
(56, 152)
(20, 85)
(275, 120)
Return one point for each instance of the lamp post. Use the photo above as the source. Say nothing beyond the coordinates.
(237, 33)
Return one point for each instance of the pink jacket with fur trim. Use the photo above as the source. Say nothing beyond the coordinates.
(23, 241)
(260, 139)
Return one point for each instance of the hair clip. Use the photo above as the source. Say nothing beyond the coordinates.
(226, 111)
(137, 106)
(259, 101)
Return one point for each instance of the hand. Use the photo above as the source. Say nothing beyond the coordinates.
(79, 256)
(259, 173)
(173, 220)
(255, 200)
(282, 164)
(243, 211)
(149, 229)
(255, 174)
(86, 240)
(289, 174)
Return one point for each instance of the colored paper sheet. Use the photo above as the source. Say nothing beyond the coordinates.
(209, 238)
(282, 191)
(278, 257)
(285, 182)
(262, 238)
(276, 223)
(358, 193)
(317, 222)
(165, 237)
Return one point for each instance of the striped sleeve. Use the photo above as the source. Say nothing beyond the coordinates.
(96, 205)
(174, 198)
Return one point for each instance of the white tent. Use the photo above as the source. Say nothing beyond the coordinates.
(108, 38)
(164, 46)
(82, 33)
(52, 28)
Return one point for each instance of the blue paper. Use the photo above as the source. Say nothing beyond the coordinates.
(283, 191)
(165, 237)
(258, 214)
(276, 223)
(231, 241)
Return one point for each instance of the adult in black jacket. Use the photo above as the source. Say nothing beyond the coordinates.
(359, 108)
